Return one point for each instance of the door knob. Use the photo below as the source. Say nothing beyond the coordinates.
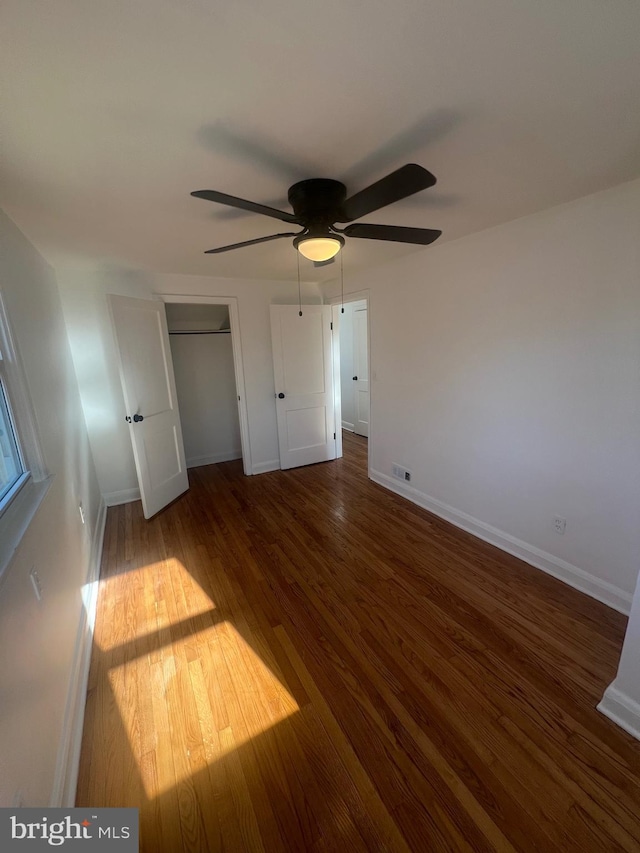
(137, 419)
(281, 395)
(355, 378)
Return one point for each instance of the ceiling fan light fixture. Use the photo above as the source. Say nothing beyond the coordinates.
(319, 248)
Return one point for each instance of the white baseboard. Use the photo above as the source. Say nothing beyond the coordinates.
(214, 458)
(126, 496)
(570, 574)
(348, 426)
(264, 467)
(68, 761)
(622, 709)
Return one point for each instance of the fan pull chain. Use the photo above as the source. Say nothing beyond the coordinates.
(342, 281)
(299, 296)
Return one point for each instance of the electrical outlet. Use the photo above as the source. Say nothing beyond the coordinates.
(401, 473)
(559, 524)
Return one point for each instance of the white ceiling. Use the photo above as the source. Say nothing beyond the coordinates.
(115, 110)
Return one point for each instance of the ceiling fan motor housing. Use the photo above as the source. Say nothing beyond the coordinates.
(317, 202)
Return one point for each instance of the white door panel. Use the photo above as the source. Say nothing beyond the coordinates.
(148, 385)
(161, 453)
(306, 427)
(303, 371)
(303, 356)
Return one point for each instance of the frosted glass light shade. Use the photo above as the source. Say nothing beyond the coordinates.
(319, 248)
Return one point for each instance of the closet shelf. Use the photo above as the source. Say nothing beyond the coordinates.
(202, 332)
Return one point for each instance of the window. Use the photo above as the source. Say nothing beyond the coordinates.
(12, 469)
(23, 475)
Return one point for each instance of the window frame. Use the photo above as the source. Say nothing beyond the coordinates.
(21, 502)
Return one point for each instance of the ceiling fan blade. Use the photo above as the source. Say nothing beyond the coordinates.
(250, 242)
(403, 182)
(243, 204)
(395, 233)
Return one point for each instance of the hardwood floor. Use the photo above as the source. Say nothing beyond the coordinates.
(304, 661)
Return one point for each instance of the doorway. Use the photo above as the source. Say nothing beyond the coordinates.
(354, 368)
(202, 355)
(204, 332)
(352, 359)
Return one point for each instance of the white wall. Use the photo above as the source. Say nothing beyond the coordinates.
(505, 377)
(84, 296)
(207, 397)
(38, 664)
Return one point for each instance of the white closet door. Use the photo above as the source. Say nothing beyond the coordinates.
(148, 384)
(303, 370)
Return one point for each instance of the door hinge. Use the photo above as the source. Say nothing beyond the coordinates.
(332, 327)
(334, 436)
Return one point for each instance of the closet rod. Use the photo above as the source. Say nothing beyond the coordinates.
(203, 332)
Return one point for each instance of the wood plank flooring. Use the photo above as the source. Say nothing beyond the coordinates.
(303, 661)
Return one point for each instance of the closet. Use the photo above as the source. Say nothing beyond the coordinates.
(202, 355)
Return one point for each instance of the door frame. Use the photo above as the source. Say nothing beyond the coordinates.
(234, 321)
(336, 302)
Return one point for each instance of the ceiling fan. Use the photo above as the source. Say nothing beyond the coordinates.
(319, 203)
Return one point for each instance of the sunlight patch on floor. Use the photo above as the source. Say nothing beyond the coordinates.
(134, 602)
(189, 703)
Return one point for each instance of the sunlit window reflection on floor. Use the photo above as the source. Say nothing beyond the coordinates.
(188, 686)
(145, 600)
(191, 702)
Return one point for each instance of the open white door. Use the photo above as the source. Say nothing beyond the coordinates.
(361, 371)
(303, 370)
(149, 388)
